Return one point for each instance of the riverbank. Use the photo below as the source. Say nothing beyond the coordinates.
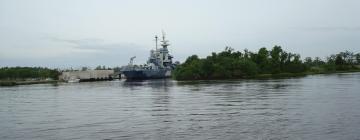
(259, 77)
(277, 76)
(292, 75)
(15, 83)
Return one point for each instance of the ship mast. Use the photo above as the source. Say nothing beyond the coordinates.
(164, 42)
(156, 40)
(163, 35)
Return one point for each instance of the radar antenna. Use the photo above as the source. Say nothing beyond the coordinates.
(163, 34)
(164, 42)
(156, 41)
(132, 60)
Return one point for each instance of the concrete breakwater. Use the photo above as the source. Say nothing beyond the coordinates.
(89, 75)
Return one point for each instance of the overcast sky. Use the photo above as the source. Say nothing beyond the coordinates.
(74, 33)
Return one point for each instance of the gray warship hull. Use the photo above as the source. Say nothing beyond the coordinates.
(146, 74)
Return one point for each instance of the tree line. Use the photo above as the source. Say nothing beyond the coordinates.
(235, 64)
(21, 73)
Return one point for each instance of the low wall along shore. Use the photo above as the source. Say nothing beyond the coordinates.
(87, 75)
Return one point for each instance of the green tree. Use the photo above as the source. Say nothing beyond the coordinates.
(317, 61)
(21, 73)
(275, 59)
(339, 60)
(263, 61)
(357, 58)
(308, 61)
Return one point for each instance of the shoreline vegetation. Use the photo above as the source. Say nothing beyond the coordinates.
(12, 76)
(264, 64)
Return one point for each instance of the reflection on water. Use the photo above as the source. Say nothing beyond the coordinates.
(312, 107)
(159, 84)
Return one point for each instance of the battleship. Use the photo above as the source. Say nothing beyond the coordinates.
(158, 66)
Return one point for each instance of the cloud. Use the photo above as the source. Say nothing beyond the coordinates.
(98, 51)
(56, 51)
(78, 42)
(97, 44)
(330, 28)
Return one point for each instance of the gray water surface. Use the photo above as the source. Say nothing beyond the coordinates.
(311, 107)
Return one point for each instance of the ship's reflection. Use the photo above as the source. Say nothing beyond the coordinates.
(155, 84)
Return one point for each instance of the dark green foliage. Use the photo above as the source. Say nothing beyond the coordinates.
(357, 57)
(342, 61)
(262, 60)
(234, 64)
(230, 64)
(275, 59)
(226, 64)
(20, 73)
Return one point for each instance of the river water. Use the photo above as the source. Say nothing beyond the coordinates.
(312, 107)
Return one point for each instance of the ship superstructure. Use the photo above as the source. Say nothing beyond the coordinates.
(159, 64)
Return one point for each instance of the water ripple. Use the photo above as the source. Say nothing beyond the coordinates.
(312, 107)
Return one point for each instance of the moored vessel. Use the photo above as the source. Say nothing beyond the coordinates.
(159, 64)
